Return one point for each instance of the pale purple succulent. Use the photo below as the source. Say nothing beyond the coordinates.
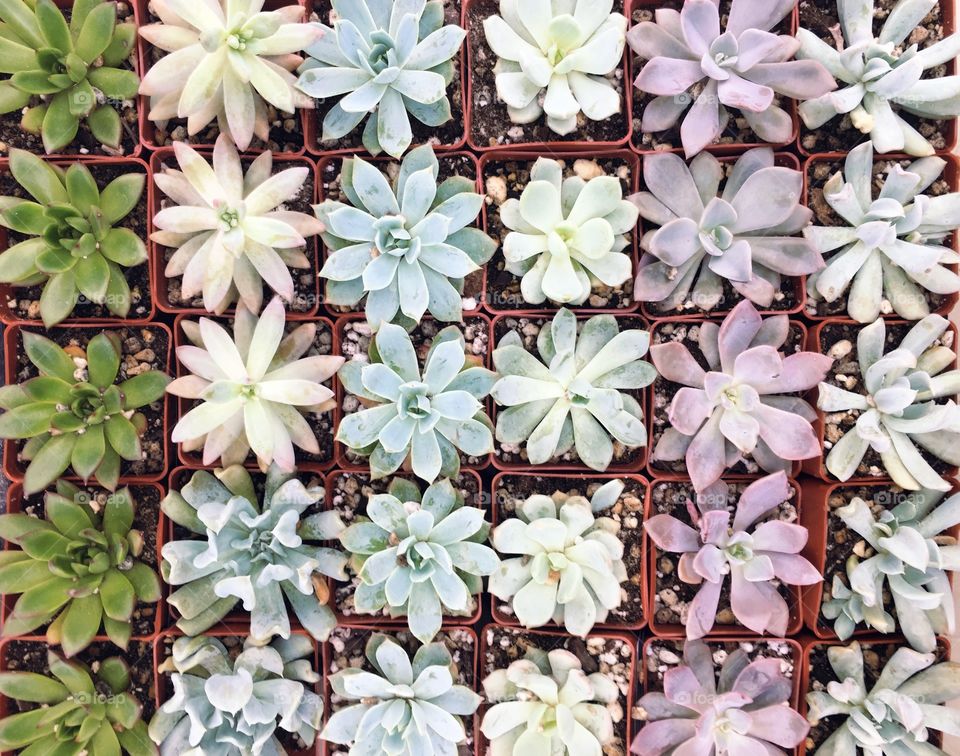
(745, 403)
(690, 59)
(745, 709)
(756, 557)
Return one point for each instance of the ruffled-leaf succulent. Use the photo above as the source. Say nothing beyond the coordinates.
(251, 552)
(746, 236)
(555, 57)
(230, 229)
(424, 417)
(570, 566)
(252, 389)
(567, 235)
(574, 396)
(77, 569)
(73, 248)
(404, 245)
(745, 404)
(897, 409)
(75, 414)
(404, 706)
(385, 62)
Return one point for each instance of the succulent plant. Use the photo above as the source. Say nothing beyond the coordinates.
(387, 62)
(236, 704)
(76, 710)
(567, 235)
(226, 62)
(883, 75)
(745, 67)
(889, 247)
(73, 249)
(427, 417)
(404, 706)
(574, 396)
(72, 68)
(745, 236)
(745, 404)
(545, 703)
(252, 388)
(253, 552)
(554, 57)
(897, 409)
(749, 544)
(405, 245)
(75, 414)
(571, 563)
(742, 708)
(77, 569)
(896, 714)
(231, 231)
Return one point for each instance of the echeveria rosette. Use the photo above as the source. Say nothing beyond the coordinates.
(229, 230)
(404, 247)
(745, 404)
(754, 550)
(428, 417)
(897, 407)
(262, 550)
(567, 235)
(890, 246)
(882, 75)
(897, 714)
(745, 67)
(746, 236)
(742, 708)
(226, 60)
(553, 57)
(385, 61)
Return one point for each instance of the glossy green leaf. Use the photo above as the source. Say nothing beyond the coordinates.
(26, 217)
(105, 125)
(39, 178)
(47, 388)
(145, 582)
(92, 276)
(108, 474)
(70, 674)
(21, 19)
(80, 625)
(82, 188)
(11, 98)
(27, 421)
(118, 631)
(118, 514)
(123, 247)
(117, 595)
(103, 361)
(118, 292)
(53, 260)
(19, 730)
(53, 26)
(120, 196)
(121, 46)
(115, 672)
(88, 451)
(82, 99)
(143, 389)
(42, 599)
(23, 575)
(116, 83)
(70, 519)
(32, 687)
(96, 32)
(60, 126)
(15, 57)
(19, 261)
(49, 463)
(58, 298)
(32, 120)
(35, 82)
(123, 437)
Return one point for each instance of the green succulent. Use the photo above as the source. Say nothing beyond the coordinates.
(66, 65)
(79, 417)
(73, 247)
(76, 569)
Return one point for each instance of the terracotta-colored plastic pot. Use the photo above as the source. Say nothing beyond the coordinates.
(553, 483)
(8, 292)
(165, 157)
(12, 466)
(471, 21)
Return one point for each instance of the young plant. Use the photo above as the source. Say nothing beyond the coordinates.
(745, 236)
(77, 569)
(880, 76)
(67, 70)
(574, 396)
(745, 404)
(251, 552)
(567, 235)
(892, 246)
(226, 63)
(896, 410)
(426, 418)
(75, 414)
(405, 245)
(237, 703)
(74, 249)
(251, 389)
(385, 62)
(755, 556)
(230, 230)
(690, 59)
(404, 706)
(571, 564)
(555, 59)
(77, 710)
